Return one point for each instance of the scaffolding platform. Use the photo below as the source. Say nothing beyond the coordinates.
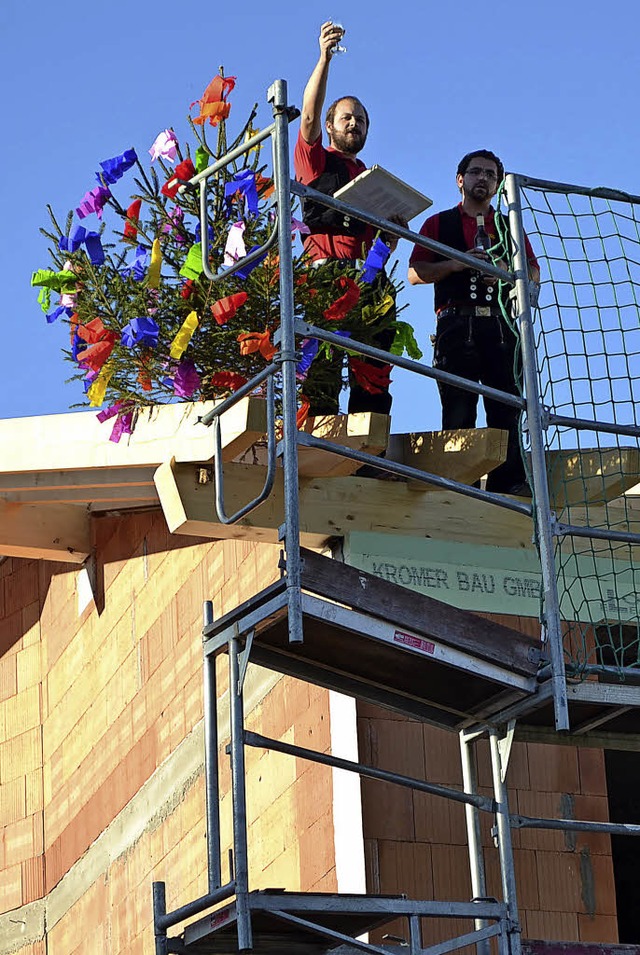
(312, 923)
(386, 645)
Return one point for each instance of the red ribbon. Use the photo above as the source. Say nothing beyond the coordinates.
(343, 305)
(133, 214)
(226, 308)
(372, 378)
(184, 171)
(228, 380)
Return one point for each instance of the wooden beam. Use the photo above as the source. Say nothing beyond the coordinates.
(49, 532)
(593, 476)
(331, 507)
(464, 455)
(363, 432)
(77, 441)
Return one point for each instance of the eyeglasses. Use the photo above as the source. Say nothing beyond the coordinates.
(477, 171)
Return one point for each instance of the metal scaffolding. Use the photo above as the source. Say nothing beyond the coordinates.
(283, 628)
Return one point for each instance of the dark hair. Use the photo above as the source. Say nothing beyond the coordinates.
(465, 162)
(331, 112)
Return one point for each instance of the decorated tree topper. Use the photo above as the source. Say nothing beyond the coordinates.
(146, 326)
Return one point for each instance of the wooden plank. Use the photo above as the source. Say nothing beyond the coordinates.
(363, 432)
(593, 476)
(51, 532)
(78, 441)
(463, 455)
(332, 507)
(433, 618)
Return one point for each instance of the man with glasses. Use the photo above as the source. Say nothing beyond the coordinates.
(473, 339)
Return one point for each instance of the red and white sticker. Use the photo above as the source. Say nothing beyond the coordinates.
(416, 643)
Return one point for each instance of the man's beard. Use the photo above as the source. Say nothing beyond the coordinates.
(351, 142)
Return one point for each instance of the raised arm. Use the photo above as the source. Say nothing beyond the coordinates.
(316, 88)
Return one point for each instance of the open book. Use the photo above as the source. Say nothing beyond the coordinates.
(379, 192)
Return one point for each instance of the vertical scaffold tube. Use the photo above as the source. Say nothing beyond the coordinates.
(159, 911)
(278, 98)
(212, 789)
(239, 800)
(538, 464)
(474, 839)
(505, 848)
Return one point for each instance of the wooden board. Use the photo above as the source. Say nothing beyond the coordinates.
(464, 455)
(49, 532)
(592, 476)
(362, 432)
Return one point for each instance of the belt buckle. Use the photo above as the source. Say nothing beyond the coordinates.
(483, 311)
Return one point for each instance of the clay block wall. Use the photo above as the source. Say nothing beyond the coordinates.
(101, 742)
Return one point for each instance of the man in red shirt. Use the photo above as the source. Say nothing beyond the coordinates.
(473, 339)
(335, 241)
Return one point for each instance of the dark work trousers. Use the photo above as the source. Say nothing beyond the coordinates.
(482, 349)
(323, 383)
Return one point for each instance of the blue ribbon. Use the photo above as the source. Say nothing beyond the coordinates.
(137, 269)
(78, 237)
(375, 260)
(309, 351)
(57, 312)
(245, 183)
(246, 270)
(114, 169)
(140, 331)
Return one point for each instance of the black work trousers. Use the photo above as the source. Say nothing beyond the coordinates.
(483, 349)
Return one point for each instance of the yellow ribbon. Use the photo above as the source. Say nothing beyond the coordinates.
(153, 276)
(98, 389)
(182, 339)
(371, 312)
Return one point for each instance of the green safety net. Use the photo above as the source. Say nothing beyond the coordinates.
(587, 333)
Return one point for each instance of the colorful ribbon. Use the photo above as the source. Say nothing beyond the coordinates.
(243, 183)
(373, 379)
(185, 333)
(137, 269)
(186, 380)
(93, 201)
(375, 260)
(193, 267)
(153, 276)
(133, 215)
(251, 342)
(184, 171)
(164, 146)
(343, 305)
(142, 331)
(226, 308)
(228, 380)
(114, 169)
(213, 102)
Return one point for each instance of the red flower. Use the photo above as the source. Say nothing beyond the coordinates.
(374, 379)
(182, 173)
(343, 305)
(228, 380)
(226, 308)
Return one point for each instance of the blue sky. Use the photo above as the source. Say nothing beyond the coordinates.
(549, 86)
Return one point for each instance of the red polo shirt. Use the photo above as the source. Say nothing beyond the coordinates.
(309, 161)
(431, 229)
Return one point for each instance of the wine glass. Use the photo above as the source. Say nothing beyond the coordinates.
(337, 48)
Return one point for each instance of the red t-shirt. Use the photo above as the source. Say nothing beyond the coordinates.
(431, 229)
(309, 161)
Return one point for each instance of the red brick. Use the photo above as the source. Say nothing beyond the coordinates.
(32, 879)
